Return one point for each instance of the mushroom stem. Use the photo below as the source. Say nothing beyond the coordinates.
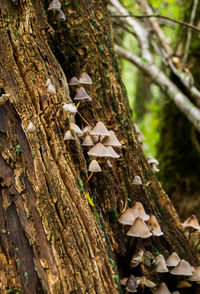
(86, 182)
(83, 118)
(54, 14)
(78, 104)
(142, 288)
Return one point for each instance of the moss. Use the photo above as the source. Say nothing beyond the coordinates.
(80, 185)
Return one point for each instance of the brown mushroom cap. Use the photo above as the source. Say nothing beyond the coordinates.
(81, 94)
(154, 226)
(61, 16)
(94, 166)
(131, 284)
(111, 140)
(69, 107)
(196, 275)
(88, 141)
(85, 79)
(54, 5)
(137, 180)
(112, 152)
(162, 289)
(139, 229)
(100, 129)
(139, 211)
(99, 150)
(73, 81)
(31, 128)
(173, 259)
(127, 217)
(75, 129)
(68, 136)
(183, 269)
(160, 264)
(191, 222)
(136, 258)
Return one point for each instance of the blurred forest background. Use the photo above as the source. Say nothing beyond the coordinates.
(170, 137)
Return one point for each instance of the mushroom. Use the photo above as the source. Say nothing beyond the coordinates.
(138, 210)
(73, 81)
(48, 82)
(139, 229)
(183, 269)
(131, 284)
(54, 5)
(137, 180)
(173, 259)
(76, 129)
(81, 94)
(68, 136)
(69, 107)
(143, 281)
(112, 152)
(108, 163)
(192, 223)
(4, 98)
(86, 130)
(31, 128)
(154, 226)
(152, 160)
(140, 137)
(94, 166)
(127, 217)
(136, 258)
(85, 79)
(144, 147)
(162, 289)
(51, 89)
(160, 264)
(111, 140)
(99, 150)
(88, 141)
(61, 16)
(196, 275)
(100, 129)
(154, 168)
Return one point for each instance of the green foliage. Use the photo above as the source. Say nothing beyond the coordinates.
(3, 231)
(10, 290)
(26, 275)
(116, 278)
(80, 185)
(17, 262)
(112, 263)
(18, 149)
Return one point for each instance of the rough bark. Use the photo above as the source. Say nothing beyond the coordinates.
(51, 240)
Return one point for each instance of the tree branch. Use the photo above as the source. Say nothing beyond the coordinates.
(168, 87)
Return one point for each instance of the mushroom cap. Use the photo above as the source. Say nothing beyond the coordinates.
(162, 289)
(191, 222)
(136, 258)
(76, 129)
(140, 137)
(154, 168)
(86, 130)
(183, 269)
(127, 217)
(4, 98)
(73, 81)
(48, 82)
(51, 89)
(61, 16)
(145, 281)
(144, 147)
(112, 152)
(99, 150)
(81, 94)
(69, 107)
(196, 275)
(85, 79)
(111, 140)
(68, 136)
(108, 163)
(88, 141)
(54, 5)
(31, 128)
(131, 284)
(94, 166)
(137, 180)
(160, 264)
(139, 229)
(100, 129)
(137, 129)
(154, 226)
(173, 259)
(152, 160)
(138, 210)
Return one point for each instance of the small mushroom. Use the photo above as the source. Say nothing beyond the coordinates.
(76, 129)
(88, 141)
(81, 94)
(111, 140)
(160, 264)
(69, 107)
(86, 130)
(54, 5)
(100, 129)
(48, 82)
(4, 98)
(183, 269)
(68, 136)
(127, 217)
(192, 223)
(140, 137)
(136, 258)
(94, 166)
(31, 128)
(61, 16)
(173, 259)
(99, 150)
(137, 180)
(51, 89)
(162, 289)
(154, 226)
(131, 284)
(143, 281)
(144, 147)
(139, 229)
(112, 152)
(73, 81)
(138, 210)
(196, 275)
(154, 168)
(152, 160)
(85, 79)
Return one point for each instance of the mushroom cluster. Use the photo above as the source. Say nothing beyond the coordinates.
(153, 163)
(55, 6)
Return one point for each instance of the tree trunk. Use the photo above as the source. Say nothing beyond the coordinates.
(51, 240)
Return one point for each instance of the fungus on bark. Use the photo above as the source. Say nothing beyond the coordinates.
(51, 89)
(54, 5)
(143, 281)
(31, 128)
(138, 210)
(195, 275)
(82, 95)
(112, 152)
(85, 79)
(173, 259)
(76, 129)
(127, 217)
(139, 229)
(88, 141)
(131, 284)
(162, 289)
(68, 136)
(136, 258)
(69, 107)
(99, 150)
(160, 264)
(183, 269)
(94, 166)
(191, 223)
(137, 180)
(100, 130)
(154, 226)
(73, 81)
(111, 140)
(61, 16)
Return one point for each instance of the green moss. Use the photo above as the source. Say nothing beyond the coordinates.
(80, 185)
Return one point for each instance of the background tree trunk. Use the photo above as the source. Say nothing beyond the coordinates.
(51, 240)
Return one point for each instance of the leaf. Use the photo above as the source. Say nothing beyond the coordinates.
(87, 196)
(183, 284)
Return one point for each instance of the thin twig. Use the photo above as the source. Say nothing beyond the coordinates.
(189, 35)
(160, 16)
